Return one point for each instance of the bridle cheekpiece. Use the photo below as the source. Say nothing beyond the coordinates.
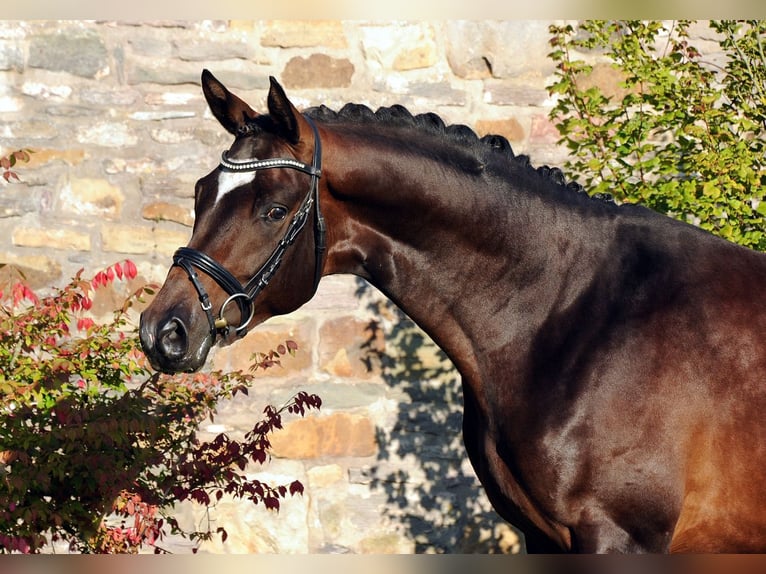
(244, 295)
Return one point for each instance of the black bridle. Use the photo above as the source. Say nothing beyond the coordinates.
(244, 295)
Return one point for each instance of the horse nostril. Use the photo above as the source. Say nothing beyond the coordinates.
(172, 340)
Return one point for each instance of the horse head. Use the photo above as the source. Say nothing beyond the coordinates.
(250, 213)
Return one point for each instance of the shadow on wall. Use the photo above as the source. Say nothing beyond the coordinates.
(430, 487)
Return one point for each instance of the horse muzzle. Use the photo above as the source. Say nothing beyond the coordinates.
(168, 344)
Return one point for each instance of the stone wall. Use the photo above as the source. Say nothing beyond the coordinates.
(121, 132)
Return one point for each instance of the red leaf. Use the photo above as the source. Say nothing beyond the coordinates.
(130, 269)
(296, 488)
(99, 279)
(29, 294)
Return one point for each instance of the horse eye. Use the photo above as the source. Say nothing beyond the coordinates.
(277, 213)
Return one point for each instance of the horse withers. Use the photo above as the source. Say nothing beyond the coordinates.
(612, 359)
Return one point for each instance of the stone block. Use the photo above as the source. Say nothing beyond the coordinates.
(205, 49)
(166, 182)
(468, 53)
(19, 199)
(166, 136)
(543, 131)
(164, 211)
(31, 130)
(400, 47)
(608, 79)
(509, 128)
(40, 271)
(317, 71)
(170, 98)
(325, 475)
(78, 52)
(339, 365)
(417, 57)
(387, 543)
(336, 435)
(239, 355)
(46, 91)
(254, 529)
(51, 238)
(440, 92)
(350, 347)
(89, 196)
(107, 134)
(337, 293)
(337, 395)
(141, 239)
(150, 42)
(304, 34)
(513, 94)
(42, 156)
(11, 55)
(118, 96)
(162, 174)
(498, 49)
(162, 71)
(349, 518)
(236, 74)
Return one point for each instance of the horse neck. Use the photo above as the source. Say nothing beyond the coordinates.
(460, 253)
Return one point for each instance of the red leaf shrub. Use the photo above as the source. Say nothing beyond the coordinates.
(95, 449)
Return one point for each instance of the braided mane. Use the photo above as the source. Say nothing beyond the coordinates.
(399, 116)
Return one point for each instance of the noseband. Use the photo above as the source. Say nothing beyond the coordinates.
(244, 295)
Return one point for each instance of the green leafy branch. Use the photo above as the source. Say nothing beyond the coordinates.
(675, 131)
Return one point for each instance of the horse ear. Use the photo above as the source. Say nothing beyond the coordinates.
(231, 111)
(285, 116)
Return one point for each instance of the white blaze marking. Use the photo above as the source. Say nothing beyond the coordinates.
(230, 180)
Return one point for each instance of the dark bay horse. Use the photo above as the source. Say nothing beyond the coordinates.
(613, 359)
